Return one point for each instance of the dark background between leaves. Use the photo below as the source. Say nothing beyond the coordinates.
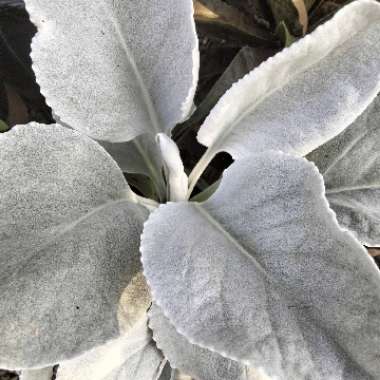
(266, 26)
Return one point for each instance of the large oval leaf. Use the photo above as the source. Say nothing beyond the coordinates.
(116, 69)
(262, 272)
(304, 95)
(350, 164)
(69, 239)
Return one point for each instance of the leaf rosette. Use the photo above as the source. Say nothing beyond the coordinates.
(267, 278)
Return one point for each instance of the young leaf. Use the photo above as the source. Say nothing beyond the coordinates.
(69, 245)
(174, 169)
(350, 164)
(261, 272)
(197, 362)
(116, 69)
(141, 156)
(304, 95)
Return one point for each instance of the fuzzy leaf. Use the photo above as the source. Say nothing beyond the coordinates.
(140, 155)
(69, 239)
(350, 164)
(304, 95)
(197, 362)
(245, 60)
(116, 69)
(262, 272)
(131, 357)
(174, 170)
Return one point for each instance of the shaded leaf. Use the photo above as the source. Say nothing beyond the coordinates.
(140, 156)
(197, 362)
(285, 11)
(218, 12)
(350, 164)
(285, 36)
(131, 357)
(69, 245)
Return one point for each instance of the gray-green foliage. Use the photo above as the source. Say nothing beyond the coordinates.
(261, 280)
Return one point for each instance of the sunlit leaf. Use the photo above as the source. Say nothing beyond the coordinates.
(261, 272)
(304, 95)
(116, 69)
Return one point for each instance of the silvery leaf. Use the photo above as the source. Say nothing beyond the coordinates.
(115, 69)
(193, 360)
(245, 60)
(69, 242)
(173, 166)
(131, 357)
(304, 95)
(350, 164)
(262, 273)
(140, 155)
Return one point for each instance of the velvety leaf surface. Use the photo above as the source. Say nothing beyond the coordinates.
(116, 69)
(197, 362)
(261, 272)
(140, 155)
(131, 357)
(350, 164)
(304, 95)
(245, 60)
(69, 239)
(173, 167)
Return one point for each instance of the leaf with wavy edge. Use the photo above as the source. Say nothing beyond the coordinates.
(304, 95)
(69, 245)
(116, 69)
(350, 165)
(262, 273)
(193, 360)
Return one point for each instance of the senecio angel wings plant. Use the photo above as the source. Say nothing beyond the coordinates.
(267, 278)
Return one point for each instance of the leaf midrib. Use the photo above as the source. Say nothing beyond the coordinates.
(145, 93)
(215, 223)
